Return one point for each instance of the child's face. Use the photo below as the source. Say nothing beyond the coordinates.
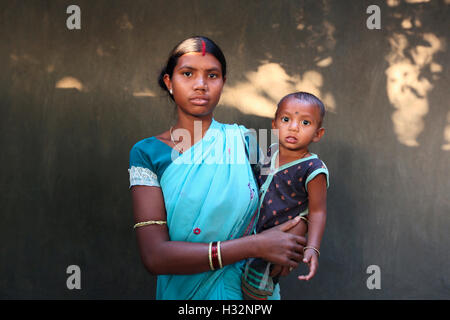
(298, 124)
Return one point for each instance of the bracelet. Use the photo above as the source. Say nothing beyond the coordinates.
(316, 250)
(210, 258)
(146, 223)
(219, 255)
(214, 256)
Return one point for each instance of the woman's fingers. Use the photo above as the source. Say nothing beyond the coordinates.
(289, 224)
(282, 248)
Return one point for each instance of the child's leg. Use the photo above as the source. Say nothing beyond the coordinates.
(256, 283)
(301, 228)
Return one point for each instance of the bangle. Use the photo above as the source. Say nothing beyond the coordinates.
(146, 223)
(219, 255)
(316, 250)
(214, 255)
(210, 258)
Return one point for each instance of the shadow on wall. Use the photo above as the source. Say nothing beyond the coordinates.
(263, 88)
(412, 71)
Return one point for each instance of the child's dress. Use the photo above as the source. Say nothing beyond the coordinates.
(283, 196)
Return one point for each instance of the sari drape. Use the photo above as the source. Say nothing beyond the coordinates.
(210, 194)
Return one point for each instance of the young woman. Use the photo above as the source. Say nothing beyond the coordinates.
(194, 208)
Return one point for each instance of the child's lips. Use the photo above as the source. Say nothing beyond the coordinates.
(291, 139)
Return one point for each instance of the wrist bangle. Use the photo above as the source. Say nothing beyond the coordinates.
(219, 255)
(316, 250)
(214, 255)
(210, 256)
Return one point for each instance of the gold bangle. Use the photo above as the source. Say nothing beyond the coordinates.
(219, 255)
(316, 250)
(146, 223)
(303, 218)
(210, 257)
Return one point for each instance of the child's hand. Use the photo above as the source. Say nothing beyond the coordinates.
(310, 258)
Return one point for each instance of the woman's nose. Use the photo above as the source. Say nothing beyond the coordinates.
(200, 83)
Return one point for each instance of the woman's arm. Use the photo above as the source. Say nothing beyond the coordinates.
(162, 256)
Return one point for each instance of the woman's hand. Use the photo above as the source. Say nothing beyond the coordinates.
(279, 247)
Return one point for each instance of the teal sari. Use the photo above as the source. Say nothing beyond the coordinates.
(210, 194)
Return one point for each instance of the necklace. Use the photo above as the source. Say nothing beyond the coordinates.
(304, 155)
(173, 141)
(277, 161)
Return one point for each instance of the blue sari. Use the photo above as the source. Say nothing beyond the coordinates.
(210, 194)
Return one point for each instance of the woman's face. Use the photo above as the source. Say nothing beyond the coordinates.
(196, 83)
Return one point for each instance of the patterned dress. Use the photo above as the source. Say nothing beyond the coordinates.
(283, 196)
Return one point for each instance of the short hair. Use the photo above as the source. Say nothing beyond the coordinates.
(192, 44)
(307, 98)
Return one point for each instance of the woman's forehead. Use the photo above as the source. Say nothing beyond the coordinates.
(196, 60)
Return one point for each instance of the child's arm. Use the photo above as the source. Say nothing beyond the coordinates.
(317, 207)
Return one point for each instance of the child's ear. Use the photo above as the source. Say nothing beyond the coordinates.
(319, 134)
(273, 124)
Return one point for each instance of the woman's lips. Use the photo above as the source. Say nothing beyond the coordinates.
(199, 101)
(291, 139)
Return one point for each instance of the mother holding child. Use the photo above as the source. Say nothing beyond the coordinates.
(195, 208)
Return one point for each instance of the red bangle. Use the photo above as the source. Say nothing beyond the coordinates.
(215, 255)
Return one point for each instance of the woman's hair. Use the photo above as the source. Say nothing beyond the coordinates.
(192, 44)
(304, 97)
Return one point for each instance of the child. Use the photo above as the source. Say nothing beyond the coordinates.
(293, 183)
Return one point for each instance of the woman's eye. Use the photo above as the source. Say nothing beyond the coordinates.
(187, 73)
(284, 119)
(213, 76)
(306, 122)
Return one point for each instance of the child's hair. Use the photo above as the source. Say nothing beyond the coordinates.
(192, 44)
(306, 98)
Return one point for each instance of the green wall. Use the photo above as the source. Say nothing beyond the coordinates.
(64, 152)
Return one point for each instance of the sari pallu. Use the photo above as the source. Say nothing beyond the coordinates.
(210, 194)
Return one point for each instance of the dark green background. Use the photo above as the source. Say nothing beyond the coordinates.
(64, 153)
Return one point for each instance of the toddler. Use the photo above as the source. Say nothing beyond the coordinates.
(293, 183)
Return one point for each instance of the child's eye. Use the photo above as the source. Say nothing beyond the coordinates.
(306, 122)
(284, 119)
(187, 73)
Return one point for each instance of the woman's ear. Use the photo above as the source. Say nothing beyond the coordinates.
(319, 134)
(167, 82)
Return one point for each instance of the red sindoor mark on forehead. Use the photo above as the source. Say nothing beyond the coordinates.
(203, 48)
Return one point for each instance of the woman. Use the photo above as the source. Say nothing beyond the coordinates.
(188, 194)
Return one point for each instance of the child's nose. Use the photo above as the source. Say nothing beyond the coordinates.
(294, 125)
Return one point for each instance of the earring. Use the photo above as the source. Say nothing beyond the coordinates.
(170, 91)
